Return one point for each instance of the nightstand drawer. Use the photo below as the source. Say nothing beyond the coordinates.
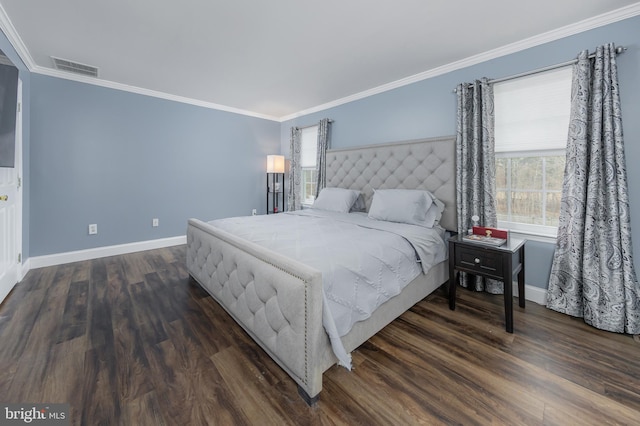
(484, 262)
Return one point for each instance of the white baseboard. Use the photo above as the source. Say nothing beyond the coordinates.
(534, 294)
(95, 253)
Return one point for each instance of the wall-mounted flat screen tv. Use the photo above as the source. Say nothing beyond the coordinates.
(8, 103)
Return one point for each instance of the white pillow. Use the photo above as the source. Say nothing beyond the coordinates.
(399, 205)
(336, 199)
(412, 206)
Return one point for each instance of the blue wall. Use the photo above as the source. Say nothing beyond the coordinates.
(428, 108)
(119, 159)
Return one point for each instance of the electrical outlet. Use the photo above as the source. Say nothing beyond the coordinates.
(254, 212)
(155, 222)
(93, 229)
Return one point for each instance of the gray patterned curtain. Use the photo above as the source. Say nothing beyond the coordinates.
(475, 167)
(592, 274)
(295, 171)
(324, 129)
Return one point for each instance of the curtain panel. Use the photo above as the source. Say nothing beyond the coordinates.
(295, 171)
(592, 275)
(475, 167)
(324, 129)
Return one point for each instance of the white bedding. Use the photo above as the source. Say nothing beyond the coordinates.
(364, 262)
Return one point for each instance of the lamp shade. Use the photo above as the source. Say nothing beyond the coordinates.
(275, 163)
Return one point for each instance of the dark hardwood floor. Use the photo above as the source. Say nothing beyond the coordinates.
(131, 340)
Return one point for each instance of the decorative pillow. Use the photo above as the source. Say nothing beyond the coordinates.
(360, 205)
(399, 205)
(434, 213)
(336, 199)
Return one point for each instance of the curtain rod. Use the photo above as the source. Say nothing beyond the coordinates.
(619, 50)
(310, 125)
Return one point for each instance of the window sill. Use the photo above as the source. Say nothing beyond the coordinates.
(543, 234)
(532, 236)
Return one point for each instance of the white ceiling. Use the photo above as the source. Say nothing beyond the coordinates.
(279, 58)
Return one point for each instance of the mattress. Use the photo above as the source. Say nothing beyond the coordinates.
(364, 262)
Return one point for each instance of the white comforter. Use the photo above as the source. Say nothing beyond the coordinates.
(364, 262)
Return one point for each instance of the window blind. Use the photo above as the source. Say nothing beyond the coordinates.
(532, 112)
(309, 147)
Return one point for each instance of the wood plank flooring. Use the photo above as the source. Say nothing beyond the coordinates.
(131, 340)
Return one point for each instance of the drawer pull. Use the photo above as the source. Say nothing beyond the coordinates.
(476, 260)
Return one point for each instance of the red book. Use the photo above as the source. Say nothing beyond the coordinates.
(490, 232)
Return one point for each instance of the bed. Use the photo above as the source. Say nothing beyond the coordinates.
(278, 300)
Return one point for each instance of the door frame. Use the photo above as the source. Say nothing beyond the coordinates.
(14, 271)
(19, 164)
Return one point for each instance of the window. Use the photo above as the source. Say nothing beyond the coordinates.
(531, 128)
(308, 163)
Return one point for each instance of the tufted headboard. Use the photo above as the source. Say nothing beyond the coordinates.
(419, 164)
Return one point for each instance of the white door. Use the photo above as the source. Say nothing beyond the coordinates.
(11, 213)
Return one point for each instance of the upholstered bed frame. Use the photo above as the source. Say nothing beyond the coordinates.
(278, 300)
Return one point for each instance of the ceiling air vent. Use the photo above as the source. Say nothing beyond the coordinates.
(75, 67)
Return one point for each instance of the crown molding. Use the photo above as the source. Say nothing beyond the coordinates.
(10, 31)
(553, 35)
(147, 92)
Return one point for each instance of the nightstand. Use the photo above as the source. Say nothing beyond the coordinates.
(490, 262)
